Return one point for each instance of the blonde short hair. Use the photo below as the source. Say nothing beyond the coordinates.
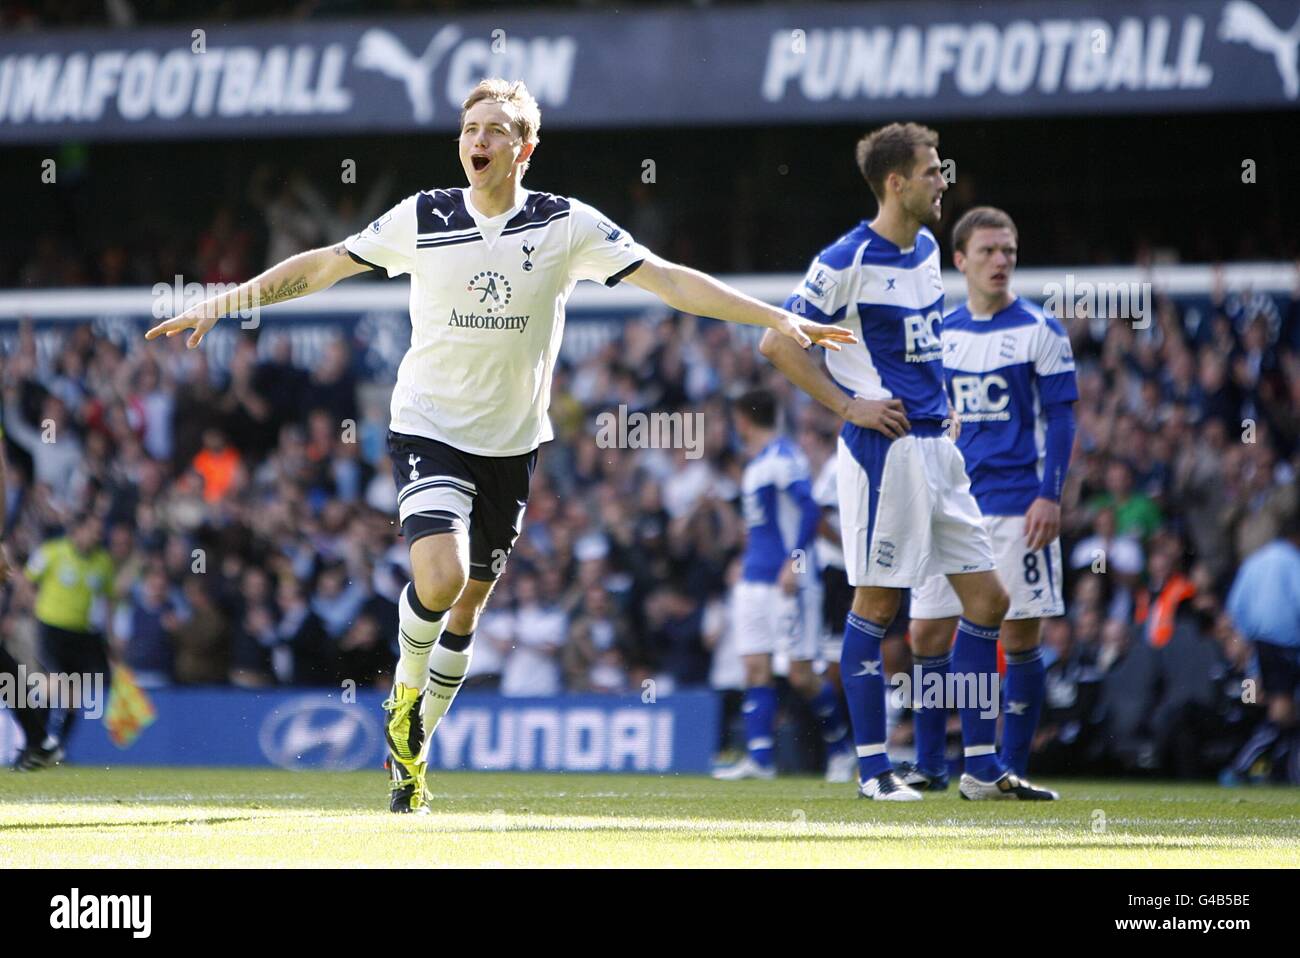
(526, 113)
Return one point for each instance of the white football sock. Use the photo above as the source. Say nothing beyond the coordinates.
(447, 670)
(416, 637)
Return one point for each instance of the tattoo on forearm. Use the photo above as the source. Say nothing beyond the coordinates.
(286, 290)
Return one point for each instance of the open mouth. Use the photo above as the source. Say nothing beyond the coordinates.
(480, 161)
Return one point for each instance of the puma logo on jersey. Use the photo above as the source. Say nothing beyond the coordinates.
(446, 217)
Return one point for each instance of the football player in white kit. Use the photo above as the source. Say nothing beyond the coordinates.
(491, 268)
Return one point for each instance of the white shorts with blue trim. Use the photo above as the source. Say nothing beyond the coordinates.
(1032, 579)
(767, 620)
(906, 509)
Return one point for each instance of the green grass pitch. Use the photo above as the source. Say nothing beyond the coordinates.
(142, 817)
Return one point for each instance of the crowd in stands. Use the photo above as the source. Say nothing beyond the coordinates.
(249, 516)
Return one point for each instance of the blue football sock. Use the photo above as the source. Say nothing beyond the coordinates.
(862, 673)
(760, 721)
(931, 724)
(832, 718)
(975, 669)
(1022, 704)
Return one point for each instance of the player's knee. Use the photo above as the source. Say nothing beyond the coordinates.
(999, 604)
(877, 605)
(438, 571)
(992, 606)
(437, 595)
(439, 584)
(1002, 604)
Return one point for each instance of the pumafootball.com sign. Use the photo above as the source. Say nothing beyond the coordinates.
(799, 63)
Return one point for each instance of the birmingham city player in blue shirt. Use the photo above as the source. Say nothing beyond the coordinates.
(1011, 377)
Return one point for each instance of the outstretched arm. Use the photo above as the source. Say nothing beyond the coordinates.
(296, 276)
(691, 291)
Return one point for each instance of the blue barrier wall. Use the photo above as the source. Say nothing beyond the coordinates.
(316, 729)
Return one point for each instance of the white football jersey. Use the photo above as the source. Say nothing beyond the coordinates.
(487, 309)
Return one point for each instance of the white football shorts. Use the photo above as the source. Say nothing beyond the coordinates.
(767, 620)
(906, 510)
(1032, 579)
